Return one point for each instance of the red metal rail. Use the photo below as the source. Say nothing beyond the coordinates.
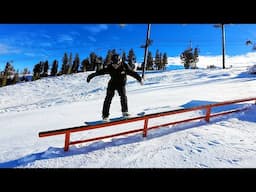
(145, 118)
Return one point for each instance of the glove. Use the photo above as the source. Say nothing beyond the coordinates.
(89, 78)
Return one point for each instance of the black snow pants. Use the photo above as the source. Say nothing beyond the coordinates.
(109, 96)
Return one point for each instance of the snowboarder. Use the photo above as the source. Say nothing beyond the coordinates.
(117, 70)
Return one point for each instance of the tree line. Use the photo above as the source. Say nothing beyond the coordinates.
(69, 65)
(189, 57)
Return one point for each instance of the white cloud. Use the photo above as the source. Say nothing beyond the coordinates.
(65, 37)
(242, 60)
(96, 28)
(75, 33)
(91, 38)
(5, 49)
(205, 61)
(247, 59)
(46, 44)
(238, 60)
(30, 54)
(46, 36)
(174, 60)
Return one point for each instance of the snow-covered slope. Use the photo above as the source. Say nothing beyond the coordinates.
(65, 101)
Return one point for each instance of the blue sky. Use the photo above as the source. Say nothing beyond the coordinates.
(27, 44)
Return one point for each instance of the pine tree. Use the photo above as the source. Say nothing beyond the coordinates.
(24, 74)
(93, 58)
(9, 70)
(76, 64)
(54, 68)
(113, 51)
(150, 61)
(165, 60)
(37, 71)
(3, 79)
(41, 69)
(16, 78)
(161, 62)
(196, 55)
(70, 63)
(190, 58)
(123, 57)
(84, 65)
(45, 68)
(157, 60)
(64, 67)
(131, 58)
(108, 58)
(9, 73)
(99, 63)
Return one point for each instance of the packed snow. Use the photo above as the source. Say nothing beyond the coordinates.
(66, 101)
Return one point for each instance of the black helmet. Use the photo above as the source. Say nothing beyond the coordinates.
(116, 58)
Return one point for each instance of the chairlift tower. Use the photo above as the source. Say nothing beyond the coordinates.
(148, 42)
(223, 42)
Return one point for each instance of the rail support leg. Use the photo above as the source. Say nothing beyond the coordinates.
(145, 129)
(208, 113)
(67, 139)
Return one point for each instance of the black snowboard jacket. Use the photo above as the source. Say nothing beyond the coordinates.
(118, 76)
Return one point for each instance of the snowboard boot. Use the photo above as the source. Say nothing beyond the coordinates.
(106, 119)
(126, 114)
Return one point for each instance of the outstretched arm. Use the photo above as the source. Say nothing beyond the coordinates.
(97, 73)
(92, 75)
(134, 74)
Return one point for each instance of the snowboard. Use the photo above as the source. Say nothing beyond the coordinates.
(147, 111)
(114, 119)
